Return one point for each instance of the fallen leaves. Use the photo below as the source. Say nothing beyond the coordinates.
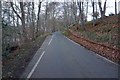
(112, 53)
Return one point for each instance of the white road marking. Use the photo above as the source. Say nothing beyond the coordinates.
(33, 69)
(50, 41)
(72, 41)
(107, 59)
(96, 53)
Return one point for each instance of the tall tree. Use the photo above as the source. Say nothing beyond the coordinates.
(65, 14)
(28, 13)
(38, 16)
(87, 9)
(74, 11)
(81, 12)
(93, 5)
(46, 14)
(0, 36)
(22, 18)
(33, 22)
(0, 15)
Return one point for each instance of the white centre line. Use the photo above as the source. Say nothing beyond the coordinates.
(33, 69)
(49, 42)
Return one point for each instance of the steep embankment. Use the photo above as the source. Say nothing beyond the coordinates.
(102, 38)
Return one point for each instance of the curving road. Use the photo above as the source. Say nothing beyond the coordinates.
(60, 57)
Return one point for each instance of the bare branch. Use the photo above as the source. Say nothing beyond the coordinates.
(15, 10)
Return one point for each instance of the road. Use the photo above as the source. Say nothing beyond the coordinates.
(63, 58)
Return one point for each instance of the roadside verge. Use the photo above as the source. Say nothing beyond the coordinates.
(110, 53)
(16, 62)
(32, 65)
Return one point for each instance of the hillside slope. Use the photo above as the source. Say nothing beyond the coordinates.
(105, 31)
(103, 38)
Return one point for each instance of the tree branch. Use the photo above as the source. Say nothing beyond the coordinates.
(105, 6)
(15, 10)
(99, 3)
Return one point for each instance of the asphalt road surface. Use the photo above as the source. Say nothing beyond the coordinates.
(60, 57)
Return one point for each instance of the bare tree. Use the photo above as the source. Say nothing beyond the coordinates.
(50, 14)
(96, 14)
(28, 13)
(81, 12)
(74, 11)
(102, 10)
(93, 5)
(115, 7)
(0, 36)
(46, 14)
(33, 22)
(87, 9)
(0, 16)
(38, 16)
(22, 18)
(65, 14)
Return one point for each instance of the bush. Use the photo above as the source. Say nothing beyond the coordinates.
(93, 36)
(103, 38)
(111, 14)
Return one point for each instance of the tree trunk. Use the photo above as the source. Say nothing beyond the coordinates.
(100, 7)
(0, 17)
(24, 34)
(87, 11)
(33, 23)
(93, 5)
(46, 11)
(0, 35)
(80, 5)
(22, 18)
(14, 25)
(115, 7)
(38, 17)
(28, 13)
(74, 11)
(82, 15)
(65, 15)
(20, 36)
(102, 11)
(96, 12)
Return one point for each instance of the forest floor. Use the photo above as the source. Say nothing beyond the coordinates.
(103, 38)
(16, 62)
